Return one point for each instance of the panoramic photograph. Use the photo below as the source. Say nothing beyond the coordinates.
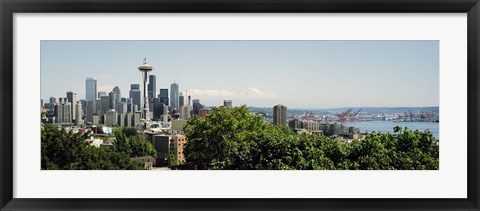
(239, 105)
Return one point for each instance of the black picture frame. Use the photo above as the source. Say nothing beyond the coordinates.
(9, 7)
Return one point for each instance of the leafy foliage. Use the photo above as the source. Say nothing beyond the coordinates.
(133, 144)
(65, 150)
(235, 139)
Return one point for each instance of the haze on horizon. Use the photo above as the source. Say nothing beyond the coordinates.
(298, 74)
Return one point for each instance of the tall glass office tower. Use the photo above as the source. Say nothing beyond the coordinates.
(174, 97)
(136, 96)
(118, 96)
(152, 87)
(163, 96)
(91, 89)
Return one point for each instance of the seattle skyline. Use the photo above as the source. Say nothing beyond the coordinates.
(299, 74)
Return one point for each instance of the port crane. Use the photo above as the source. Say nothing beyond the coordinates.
(308, 116)
(348, 116)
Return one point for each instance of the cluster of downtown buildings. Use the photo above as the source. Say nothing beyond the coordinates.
(110, 108)
(169, 110)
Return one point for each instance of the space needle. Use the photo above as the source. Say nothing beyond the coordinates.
(145, 69)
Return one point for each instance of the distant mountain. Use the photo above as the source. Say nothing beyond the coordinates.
(370, 110)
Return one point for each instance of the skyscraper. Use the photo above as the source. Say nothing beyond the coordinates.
(136, 95)
(157, 109)
(112, 100)
(152, 86)
(116, 90)
(63, 111)
(78, 113)
(104, 106)
(91, 89)
(122, 106)
(181, 100)
(185, 112)
(129, 104)
(135, 86)
(102, 94)
(174, 97)
(89, 114)
(196, 106)
(111, 117)
(163, 96)
(72, 99)
(280, 115)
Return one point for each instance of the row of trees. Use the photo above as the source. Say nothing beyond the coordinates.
(69, 151)
(236, 139)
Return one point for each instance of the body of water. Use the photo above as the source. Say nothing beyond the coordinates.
(387, 126)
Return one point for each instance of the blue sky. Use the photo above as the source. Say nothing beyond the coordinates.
(298, 74)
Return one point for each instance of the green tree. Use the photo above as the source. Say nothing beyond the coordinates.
(221, 137)
(63, 151)
(133, 144)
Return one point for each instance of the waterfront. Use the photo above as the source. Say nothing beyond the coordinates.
(387, 126)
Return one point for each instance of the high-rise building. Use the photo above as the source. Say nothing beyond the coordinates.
(122, 107)
(52, 100)
(118, 95)
(157, 109)
(89, 114)
(227, 104)
(165, 114)
(152, 87)
(136, 95)
(84, 103)
(91, 89)
(185, 112)
(78, 113)
(121, 119)
(135, 108)
(101, 94)
(181, 100)
(112, 100)
(128, 120)
(136, 119)
(196, 106)
(105, 105)
(63, 111)
(95, 119)
(134, 86)
(129, 103)
(280, 115)
(72, 99)
(163, 96)
(174, 97)
(111, 117)
(97, 108)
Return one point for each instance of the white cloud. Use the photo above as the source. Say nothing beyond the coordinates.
(250, 93)
(211, 93)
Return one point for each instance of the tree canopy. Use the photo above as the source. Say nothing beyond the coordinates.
(65, 150)
(236, 139)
